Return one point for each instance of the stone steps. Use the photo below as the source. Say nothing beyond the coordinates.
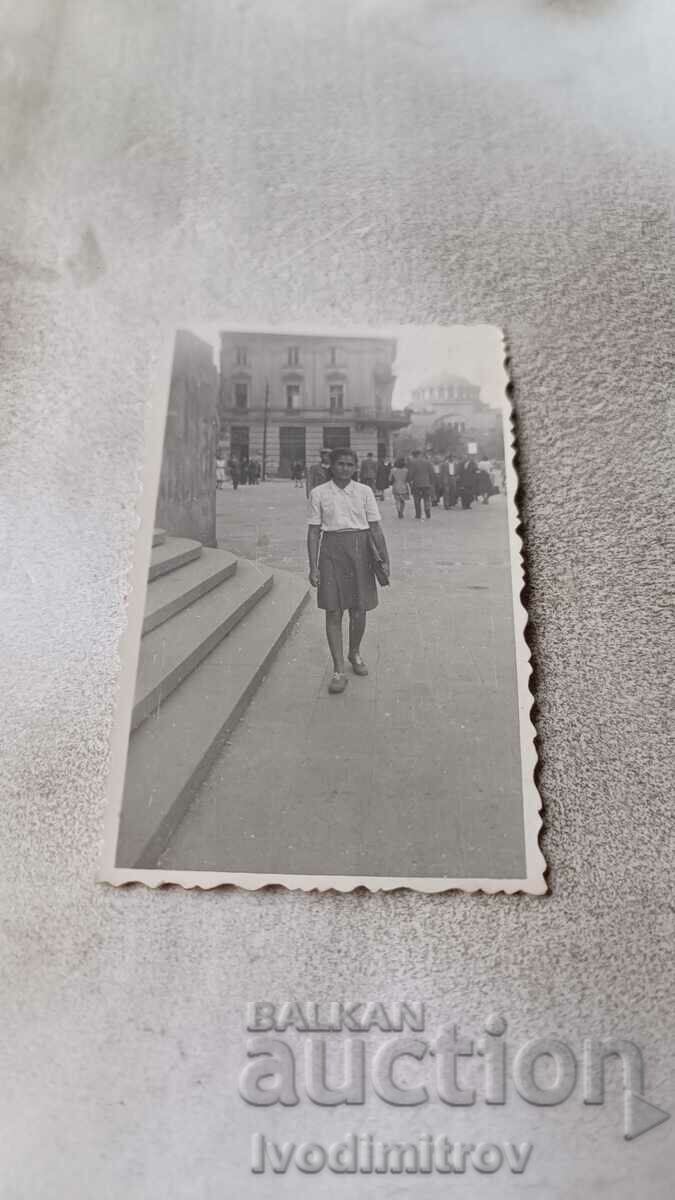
(172, 651)
(158, 537)
(171, 752)
(173, 552)
(170, 593)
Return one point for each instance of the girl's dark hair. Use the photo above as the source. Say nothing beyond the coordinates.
(400, 462)
(341, 452)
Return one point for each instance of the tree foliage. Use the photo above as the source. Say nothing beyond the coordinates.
(445, 438)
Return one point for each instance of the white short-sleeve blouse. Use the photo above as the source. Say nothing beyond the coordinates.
(335, 508)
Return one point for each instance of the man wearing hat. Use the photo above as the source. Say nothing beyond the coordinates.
(318, 472)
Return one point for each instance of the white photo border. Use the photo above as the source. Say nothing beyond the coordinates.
(534, 881)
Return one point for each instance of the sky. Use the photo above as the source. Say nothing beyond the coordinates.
(474, 351)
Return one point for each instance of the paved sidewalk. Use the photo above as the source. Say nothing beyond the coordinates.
(413, 770)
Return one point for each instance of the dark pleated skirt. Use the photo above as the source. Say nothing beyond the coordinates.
(346, 575)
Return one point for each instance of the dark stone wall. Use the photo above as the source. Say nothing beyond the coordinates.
(186, 504)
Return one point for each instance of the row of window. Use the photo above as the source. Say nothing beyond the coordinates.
(336, 396)
(439, 394)
(292, 356)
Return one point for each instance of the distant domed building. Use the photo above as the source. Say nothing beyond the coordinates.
(452, 399)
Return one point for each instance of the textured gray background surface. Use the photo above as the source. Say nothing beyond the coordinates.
(509, 162)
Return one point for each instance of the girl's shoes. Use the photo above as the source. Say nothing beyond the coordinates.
(358, 665)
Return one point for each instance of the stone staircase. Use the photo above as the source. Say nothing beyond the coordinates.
(211, 628)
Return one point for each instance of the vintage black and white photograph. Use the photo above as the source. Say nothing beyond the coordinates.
(327, 678)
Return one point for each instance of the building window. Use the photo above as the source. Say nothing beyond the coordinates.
(241, 395)
(336, 396)
(293, 397)
(241, 356)
(333, 356)
(293, 356)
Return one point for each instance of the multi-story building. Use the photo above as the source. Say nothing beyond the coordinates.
(284, 397)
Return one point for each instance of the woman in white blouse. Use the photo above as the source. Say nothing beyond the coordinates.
(343, 538)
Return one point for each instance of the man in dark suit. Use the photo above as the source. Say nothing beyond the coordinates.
(422, 480)
(319, 472)
(448, 483)
(368, 472)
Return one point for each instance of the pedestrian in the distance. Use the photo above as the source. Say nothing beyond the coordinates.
(235, 472)
(467, 485)
(220, 471)
(368, 472)
(448, 482)
(422, 482)
(399, 486)
(437, 489)
(297, 472)
(382, 473)
(485, 481)
(251, 471)
(346, 546)
(319, 471)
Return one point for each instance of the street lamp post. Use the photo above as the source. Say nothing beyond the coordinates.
(265, 417)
